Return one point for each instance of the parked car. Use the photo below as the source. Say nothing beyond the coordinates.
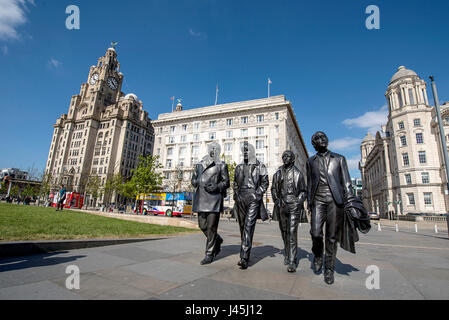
(374, 215)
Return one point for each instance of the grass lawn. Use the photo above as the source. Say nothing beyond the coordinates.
(20, 222)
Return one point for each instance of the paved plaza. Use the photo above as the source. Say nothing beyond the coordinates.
(411, 266)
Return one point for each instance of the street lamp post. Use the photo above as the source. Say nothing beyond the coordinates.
(442, 138)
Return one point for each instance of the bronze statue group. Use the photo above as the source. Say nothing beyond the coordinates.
(330, 200)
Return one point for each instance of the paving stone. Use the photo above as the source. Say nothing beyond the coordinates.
(43, 290)
(216, 290)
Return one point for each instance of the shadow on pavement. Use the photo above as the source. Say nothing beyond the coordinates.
(260, 252)
(38, 260)
(340, 267)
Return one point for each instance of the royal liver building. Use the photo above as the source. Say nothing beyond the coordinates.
(402, 166)
(103, 132)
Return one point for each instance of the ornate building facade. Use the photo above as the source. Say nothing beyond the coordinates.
(103, 132)
(182, 136)
(402, 167)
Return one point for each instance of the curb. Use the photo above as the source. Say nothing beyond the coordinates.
(22, 248)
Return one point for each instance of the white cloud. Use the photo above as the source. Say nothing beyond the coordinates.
(344, 143)
(371, 120)
(12, 16)
(197, 34)
(353, 163)
(5, 50)
(54, 63)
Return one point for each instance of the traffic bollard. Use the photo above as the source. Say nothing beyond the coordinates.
(397, 227)
(378, 227)
(416, 227)
(436, 229)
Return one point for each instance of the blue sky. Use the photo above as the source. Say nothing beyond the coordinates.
(319, 54)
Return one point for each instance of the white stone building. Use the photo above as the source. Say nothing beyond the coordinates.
(403, 167)
(103, 132)
(181, 137)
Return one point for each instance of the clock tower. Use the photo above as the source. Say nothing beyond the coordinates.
(103, 133)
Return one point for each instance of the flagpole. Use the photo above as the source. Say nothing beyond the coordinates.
(268, 87)
(173, 104)
(216, 94)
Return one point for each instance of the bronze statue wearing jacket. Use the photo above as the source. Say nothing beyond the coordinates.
(250, 184)
(210, 180)
(329, 188)
(288, 191)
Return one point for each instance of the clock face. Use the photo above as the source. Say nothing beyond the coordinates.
(94, 78)
(112, 83)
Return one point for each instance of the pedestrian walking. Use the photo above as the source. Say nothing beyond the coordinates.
(62, 193)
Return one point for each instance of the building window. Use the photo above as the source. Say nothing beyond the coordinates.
(229, 122)
(212, 135)
(182, 151)
(260, 118)
(411, 199)
(243, 132)
(405, 159)
(195, 150)
(423, 93)
(228, 147)
(260, 144)
(172, 129)
(184, 127)
(196, 137)
(260, 131)
(425, 177)
(411, 97)
(408, 178)
(228, 134)
(427, 198)
(169, 151)
(276, 115)
(422, 157)
(196, 126)
(417, 122)
(183, 138)
(168, 175)
(169, 163)
(401, 125)
(212, 124)
(181, 162)
(276, 128)
(400, 99)
(419, 138)
(244, 120)
(276, 142)
(403, 141)
(171, 139)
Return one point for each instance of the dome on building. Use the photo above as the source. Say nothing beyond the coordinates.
(131, 96)
(403, 72)
(112, 49)
(368, 137)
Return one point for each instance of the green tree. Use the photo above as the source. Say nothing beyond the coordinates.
(15, 190)
(145, 178)
(129, 189)
(114, 184)
(94, 187)
(29, 191)
(46, 186)
(231, 169)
